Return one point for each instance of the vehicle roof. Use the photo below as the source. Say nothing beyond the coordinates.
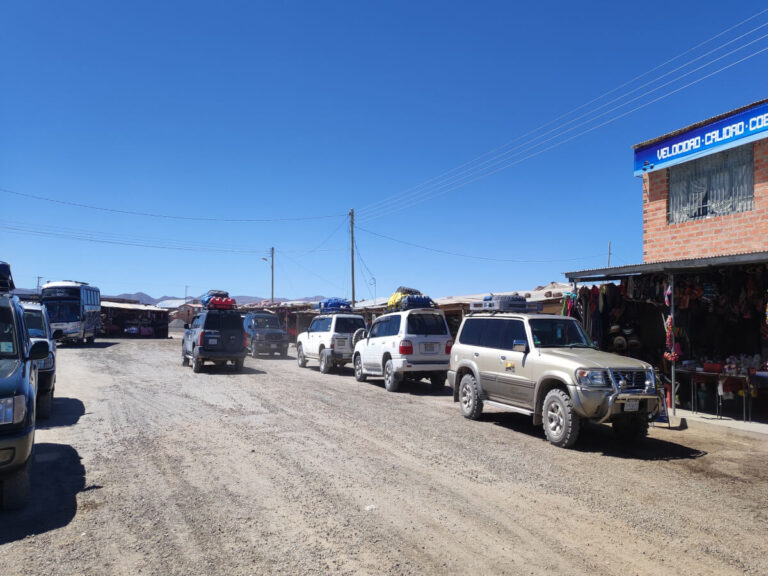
(63, 283)
(433, 310)
(345, 314)
(262, 313)
(508, 313)
(28, 305)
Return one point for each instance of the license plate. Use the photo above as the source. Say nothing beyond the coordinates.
(213, 341)
(273, 345)
(430, 347)
(631, 405)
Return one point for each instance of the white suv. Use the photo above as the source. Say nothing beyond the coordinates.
(328, 340)
(414, 343)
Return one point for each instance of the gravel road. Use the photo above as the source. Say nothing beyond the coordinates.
(147, 468)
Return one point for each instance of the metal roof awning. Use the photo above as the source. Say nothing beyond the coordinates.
(669, 267)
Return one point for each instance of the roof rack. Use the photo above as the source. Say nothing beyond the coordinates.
(6, 279)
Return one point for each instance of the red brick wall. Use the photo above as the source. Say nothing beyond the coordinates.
(718, 236)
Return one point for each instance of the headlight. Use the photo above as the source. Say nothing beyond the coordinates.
(592, 378)
(650, 381)
(13, 410)
(46, 364)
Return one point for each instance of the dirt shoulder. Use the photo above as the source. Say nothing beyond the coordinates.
(149, 468)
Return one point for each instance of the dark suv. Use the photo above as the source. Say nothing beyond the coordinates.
(264, 333)
(18, 383)
(39, 328)
(214, 336)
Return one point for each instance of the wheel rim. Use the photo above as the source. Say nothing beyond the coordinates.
(555, 419)
(358, 367)
(388, 373)
(466, 398)
(323, 362)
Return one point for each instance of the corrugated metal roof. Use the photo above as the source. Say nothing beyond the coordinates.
(697, 124)
(668, 266)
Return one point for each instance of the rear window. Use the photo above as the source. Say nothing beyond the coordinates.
(349, 325)
(427, 324)
(33, 320)
(7, 334)
(223, 321)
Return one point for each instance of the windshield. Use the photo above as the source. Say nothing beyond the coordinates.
(558, 332)
(33, 320)
(7, 335)
(266, 322)
(223, 320)
(63, 311)
(427, 324)
(349, 325)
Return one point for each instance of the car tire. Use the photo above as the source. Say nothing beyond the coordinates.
(184, 359)
(391, 378)
(90, 339)
(284, 352)
(44, 405)
(469, 397)
(238, 364)
(325, 362)
(560, 421)
(437, 380)
(301, 360)
(358, 364)
(631, 429)
(197, 364)
(16, 489)
(253, 350)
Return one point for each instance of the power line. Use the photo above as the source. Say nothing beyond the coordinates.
(505, 163)
(308, 270)
(164, 216)
(456, 175)
(487, 258)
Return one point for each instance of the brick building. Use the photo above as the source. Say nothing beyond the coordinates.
(699, 299)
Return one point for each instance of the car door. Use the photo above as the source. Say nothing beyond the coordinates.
(486, 356)
(513, 371)
(372, 345)
(313, 338)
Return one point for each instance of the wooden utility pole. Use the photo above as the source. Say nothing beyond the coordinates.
(272, 270)
(609, 253)
(352, 250)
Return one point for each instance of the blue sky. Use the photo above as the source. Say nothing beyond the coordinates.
(289, 114)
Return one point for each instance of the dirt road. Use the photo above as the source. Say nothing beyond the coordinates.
(147, 468)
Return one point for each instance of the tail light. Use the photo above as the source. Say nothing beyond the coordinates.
(201, 338)
(448, 346)
(406, 347)
(245, 340)
(331, 344)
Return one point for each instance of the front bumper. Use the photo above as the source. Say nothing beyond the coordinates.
(602, 404)
(269, 345)
(15, 449)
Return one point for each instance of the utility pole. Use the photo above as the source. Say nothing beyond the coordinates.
(186, 287)
(609, 253)
(272, 270)
(352, 250)
(37, 290)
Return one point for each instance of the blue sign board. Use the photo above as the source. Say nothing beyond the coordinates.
(734, 130)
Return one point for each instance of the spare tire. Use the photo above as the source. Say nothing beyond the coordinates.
(357, 336)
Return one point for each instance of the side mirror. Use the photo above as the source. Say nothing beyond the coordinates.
(520, 346)
(39, 350)
(57, 334)
(186, 326)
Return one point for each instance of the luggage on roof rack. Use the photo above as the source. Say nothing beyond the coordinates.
(333, 305)
(394, 301)
(505, 303)
(213, 294)
(221, 303)
(6, 280)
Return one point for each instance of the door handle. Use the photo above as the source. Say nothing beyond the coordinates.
(477, 354)
(503, 357)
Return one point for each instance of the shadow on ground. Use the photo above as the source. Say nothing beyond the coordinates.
(212, 369)
(57, 476)
(601, 439)
(98, 345)
(412, 387)
(65, 412)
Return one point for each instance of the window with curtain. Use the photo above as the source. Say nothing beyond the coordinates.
(712, 186)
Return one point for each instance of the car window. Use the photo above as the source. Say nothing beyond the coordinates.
(513, 330)
(268, 322)
(393, 327)
(492, 333)
(426, 324)
(470, 332)
(379, 328)
(7, 334)
(33, 321)
(349, 325)
(559, 333)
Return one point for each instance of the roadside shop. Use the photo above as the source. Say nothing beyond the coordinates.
(133, 320)
(697, 306)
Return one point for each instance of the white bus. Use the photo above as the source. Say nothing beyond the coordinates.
(74, 308)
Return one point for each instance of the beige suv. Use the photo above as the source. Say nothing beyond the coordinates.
(546, 367)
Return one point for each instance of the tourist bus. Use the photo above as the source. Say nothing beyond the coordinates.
(74, 308)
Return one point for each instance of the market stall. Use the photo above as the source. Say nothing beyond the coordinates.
(701, 321)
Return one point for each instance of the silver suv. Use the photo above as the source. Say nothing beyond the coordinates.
(414, 343)
(547, 367)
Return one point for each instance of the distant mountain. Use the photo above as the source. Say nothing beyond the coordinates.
(140, 297)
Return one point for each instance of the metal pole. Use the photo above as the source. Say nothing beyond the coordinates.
(672, 313)
(352, 250)
(272, 269)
